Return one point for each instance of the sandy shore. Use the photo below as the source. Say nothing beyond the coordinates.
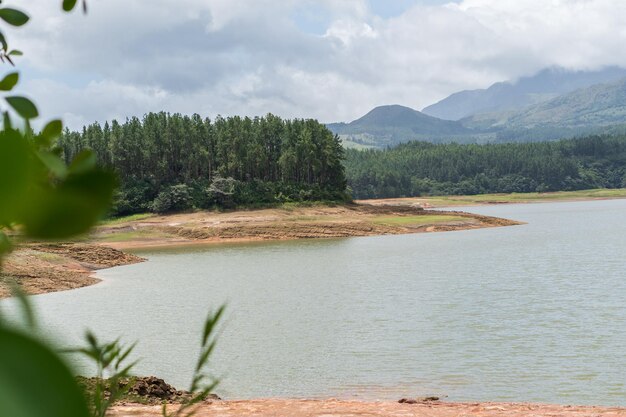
(336, 408)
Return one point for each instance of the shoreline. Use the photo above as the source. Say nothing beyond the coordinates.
(46, 267)
(450, 201)
(335, 408)
(42, 270)
(194, 235)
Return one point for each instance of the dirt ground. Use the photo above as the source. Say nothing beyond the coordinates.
(282, 224)
(42, 268)
(336, 408)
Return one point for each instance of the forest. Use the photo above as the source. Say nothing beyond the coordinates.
(419, 168)
(170, 162)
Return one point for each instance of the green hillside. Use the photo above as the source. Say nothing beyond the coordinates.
(597, 106)
(515, 95)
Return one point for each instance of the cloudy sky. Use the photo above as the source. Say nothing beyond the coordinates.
(329, 59)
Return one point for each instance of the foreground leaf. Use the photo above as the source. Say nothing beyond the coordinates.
(9, 81)
(23, 106)
(13, 17)
(72, 208)
(50, 132)
(15, 174)
(34, 382)
(68, 5)
(53, 163)
(84, 161)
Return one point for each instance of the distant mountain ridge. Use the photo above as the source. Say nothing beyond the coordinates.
(590, 109)
(596, 106)
(391, 124)
(505, 96)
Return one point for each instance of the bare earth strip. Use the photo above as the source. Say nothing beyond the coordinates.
(42, 268)
(283, 224)
(512, 198)
(336, 408)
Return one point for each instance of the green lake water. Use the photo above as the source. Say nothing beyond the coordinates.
(526, 313)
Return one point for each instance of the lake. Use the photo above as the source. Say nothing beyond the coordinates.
(535, 312)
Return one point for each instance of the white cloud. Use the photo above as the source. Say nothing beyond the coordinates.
(251, 57)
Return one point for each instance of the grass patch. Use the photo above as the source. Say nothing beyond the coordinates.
(525, 197)
(51, 257)
(126, 236)
(131, 218)
(416, 220)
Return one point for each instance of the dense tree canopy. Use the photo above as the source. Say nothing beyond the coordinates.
(172, 162)
(419, 168)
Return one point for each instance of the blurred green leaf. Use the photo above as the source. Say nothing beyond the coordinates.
(13, 17)
(84, 161)
(6, 118)
(53, 163)
(23, 106)
(3, 42)
(68, 5)
(15, 174)
(51, 131)
(34, 382)
(16, 52)
(9, 81)
(71, 208)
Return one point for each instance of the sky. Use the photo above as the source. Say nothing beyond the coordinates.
(332, 60)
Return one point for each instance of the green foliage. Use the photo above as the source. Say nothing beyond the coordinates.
(68, 5)
(174, 198)
(9, 81)
(34, 381)
(222, 191)
(109, 358)
(28, 365)
(13, 17)
(51, 131)
(266, 160)
(48, 200)
(23, 106)
(418, 168)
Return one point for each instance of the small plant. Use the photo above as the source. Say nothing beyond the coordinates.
(48, 199)
(109, 358)
(202, 384)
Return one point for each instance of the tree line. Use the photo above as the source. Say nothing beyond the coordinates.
(419, 168)
(167, 162)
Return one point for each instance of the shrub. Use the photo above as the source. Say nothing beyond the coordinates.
(173, 198)
(222, 191)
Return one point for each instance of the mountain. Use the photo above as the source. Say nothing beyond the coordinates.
(389, 125)
(593, 107)
(507, 96)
